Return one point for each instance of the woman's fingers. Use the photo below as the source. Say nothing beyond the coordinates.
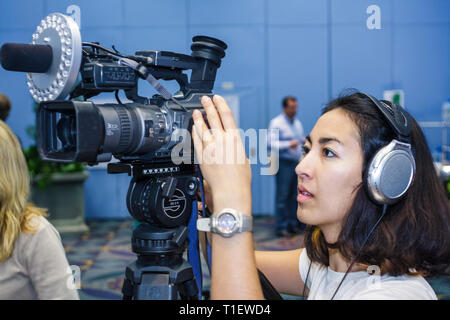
(198, 144)
(212, 114)
(200, 126)
(226, 115)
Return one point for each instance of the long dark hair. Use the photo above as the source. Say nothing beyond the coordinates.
(413, 238)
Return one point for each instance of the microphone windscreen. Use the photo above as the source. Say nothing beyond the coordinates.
(22, 57)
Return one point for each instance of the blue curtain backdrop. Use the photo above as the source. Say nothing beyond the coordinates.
(309, 48)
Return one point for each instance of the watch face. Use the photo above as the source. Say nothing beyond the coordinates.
(226, 223)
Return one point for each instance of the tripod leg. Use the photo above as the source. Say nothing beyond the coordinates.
(155, 286)
(189, 290)
(127, 290)
(152, 286)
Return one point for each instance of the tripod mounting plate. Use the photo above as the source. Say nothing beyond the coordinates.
(151, 240)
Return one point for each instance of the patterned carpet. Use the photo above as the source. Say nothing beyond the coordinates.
(103, 253)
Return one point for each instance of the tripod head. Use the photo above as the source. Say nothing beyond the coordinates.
(160, 197)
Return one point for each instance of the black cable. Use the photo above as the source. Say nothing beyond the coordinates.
(208, 212)
(179, 104)
(307, 275)
(359, 252)
(90, 44)
(116, 93)
(138, 59)
(115, 50)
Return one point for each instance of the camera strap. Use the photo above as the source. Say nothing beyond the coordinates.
(146, 75)
(193, 249)
(204, 214)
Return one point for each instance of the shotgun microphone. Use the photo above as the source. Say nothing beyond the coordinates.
(35, 58)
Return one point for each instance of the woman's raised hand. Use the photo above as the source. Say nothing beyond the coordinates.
(221, 155)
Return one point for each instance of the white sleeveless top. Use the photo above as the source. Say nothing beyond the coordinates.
(360, 285)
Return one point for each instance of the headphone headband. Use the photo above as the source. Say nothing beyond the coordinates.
(395, 116)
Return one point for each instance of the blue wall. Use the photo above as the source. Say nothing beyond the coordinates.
(312, 49)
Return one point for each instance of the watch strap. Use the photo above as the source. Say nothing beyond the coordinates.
(247, 222)
(204, 224)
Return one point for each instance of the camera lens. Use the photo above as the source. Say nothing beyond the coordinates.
(66, 131)
(134, 130)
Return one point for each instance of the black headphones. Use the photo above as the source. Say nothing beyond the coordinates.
(391, 170)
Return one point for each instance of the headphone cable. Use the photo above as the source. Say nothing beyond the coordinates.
(307, 275)
(359, 252)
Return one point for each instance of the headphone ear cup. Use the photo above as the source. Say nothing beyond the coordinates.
(390, 173)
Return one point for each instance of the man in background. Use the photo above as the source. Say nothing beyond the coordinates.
(5, 107)
(289, 146)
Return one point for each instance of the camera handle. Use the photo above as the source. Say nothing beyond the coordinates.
(146, 75)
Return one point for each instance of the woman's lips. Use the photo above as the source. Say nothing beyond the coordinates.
(301, 198)
(303, 194)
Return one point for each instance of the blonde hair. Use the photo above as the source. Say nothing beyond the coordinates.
(16, 214)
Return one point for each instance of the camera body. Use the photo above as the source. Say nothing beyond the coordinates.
(144, 130)
(141, 134)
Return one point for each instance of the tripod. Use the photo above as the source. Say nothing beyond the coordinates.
(160, 196)
(160, 272)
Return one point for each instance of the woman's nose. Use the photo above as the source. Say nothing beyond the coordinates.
(304, 167)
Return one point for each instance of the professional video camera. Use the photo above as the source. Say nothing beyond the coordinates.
(142, 134)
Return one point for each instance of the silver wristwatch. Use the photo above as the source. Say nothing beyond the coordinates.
(226, 223)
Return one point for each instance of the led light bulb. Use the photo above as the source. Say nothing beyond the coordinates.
(62, 34)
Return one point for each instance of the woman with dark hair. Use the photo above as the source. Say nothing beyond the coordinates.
(355, 247)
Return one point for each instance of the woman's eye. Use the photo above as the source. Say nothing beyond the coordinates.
(328, 153)
(305, 149)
